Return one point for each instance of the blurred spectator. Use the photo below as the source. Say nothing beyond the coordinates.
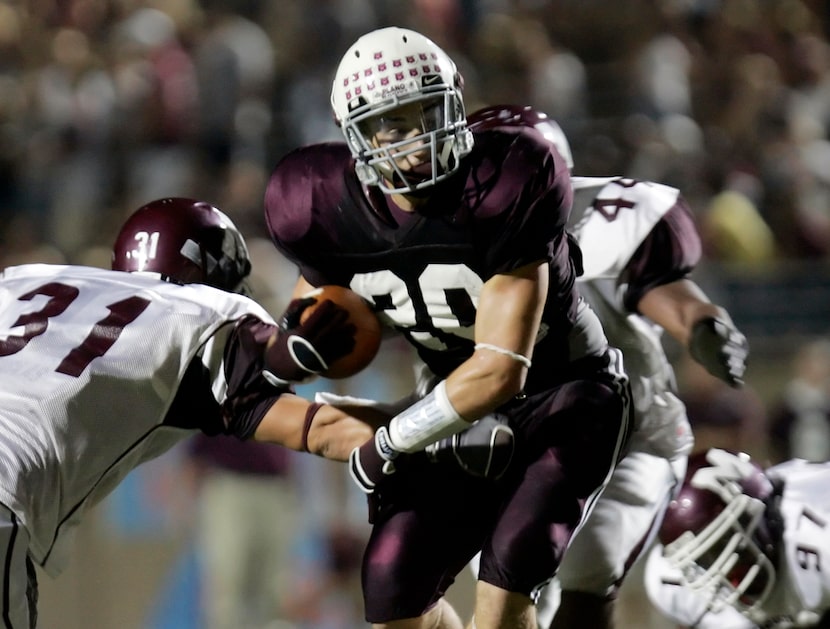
(235, 63)
(246, 525)
(663, 77)
(501, 73)
(557, 77)
(157, 92)
(734, 230)
(22, 242)
(800, 418)
(68, 164)
(326, 591)
(12, 105)
(808, 74)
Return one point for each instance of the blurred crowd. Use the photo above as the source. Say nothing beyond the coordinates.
(108, 104)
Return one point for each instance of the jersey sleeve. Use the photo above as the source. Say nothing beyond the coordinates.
(249, 395)
(669, 253)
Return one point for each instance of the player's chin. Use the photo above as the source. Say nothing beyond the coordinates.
(422, 170)
(413, 176)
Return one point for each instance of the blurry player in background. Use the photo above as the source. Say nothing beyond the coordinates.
(744, 547)
(639, 245)
(103, 370)
(459, 241)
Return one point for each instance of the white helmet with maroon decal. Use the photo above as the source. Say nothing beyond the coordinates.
(389, 69)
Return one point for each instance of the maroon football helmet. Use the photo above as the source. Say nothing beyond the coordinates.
(186, 241)
(715, 531)
(522, 116)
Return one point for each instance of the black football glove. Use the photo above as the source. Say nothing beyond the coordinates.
(304, 350)
(484, 449)
(720, 347)
(371, 463)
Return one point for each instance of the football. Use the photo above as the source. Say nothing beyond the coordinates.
(367, 336)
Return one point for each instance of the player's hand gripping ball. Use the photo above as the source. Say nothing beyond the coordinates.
(367, 333)
(330, 331)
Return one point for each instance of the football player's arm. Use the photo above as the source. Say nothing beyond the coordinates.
(508, 317)
(254, 407)
(677, 306)
(296, 423)
(660, 289)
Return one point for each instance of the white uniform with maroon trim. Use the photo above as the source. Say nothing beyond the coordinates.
(91, 361)
(802, 590)
(611, 218)
(609, 237)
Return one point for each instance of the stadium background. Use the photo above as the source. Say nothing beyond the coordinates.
(107, 104)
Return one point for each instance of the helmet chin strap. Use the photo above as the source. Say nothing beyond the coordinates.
(446, 155)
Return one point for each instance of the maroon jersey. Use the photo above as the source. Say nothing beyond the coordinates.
(506, 207)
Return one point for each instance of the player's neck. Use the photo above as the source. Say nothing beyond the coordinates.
(401, 210)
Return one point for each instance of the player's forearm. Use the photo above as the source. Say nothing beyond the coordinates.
(485, 382)
(677, 306)
(333, 434)
(509, 315)
(295, 423)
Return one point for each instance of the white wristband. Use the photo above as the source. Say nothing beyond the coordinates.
(500, 350)
(428, 420)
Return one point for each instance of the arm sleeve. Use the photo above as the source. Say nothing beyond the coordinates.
(669, 253)
(249, 395)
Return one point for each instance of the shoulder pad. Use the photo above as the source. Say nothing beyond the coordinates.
(612, 216)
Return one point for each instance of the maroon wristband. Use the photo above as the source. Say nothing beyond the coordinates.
(310, 412)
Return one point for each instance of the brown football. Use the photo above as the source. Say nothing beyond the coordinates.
(368, 330)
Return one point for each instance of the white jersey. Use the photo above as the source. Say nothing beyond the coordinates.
(611, 218)
(802, 588)
(91, 361)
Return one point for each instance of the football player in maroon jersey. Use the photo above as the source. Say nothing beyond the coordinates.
(458, 239)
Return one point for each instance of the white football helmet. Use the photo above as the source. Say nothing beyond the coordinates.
(392, 68)
(718, 534)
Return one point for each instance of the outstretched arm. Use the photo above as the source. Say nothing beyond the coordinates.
(677, 306)
(658, 287)
(704, 328)
(333, 433)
